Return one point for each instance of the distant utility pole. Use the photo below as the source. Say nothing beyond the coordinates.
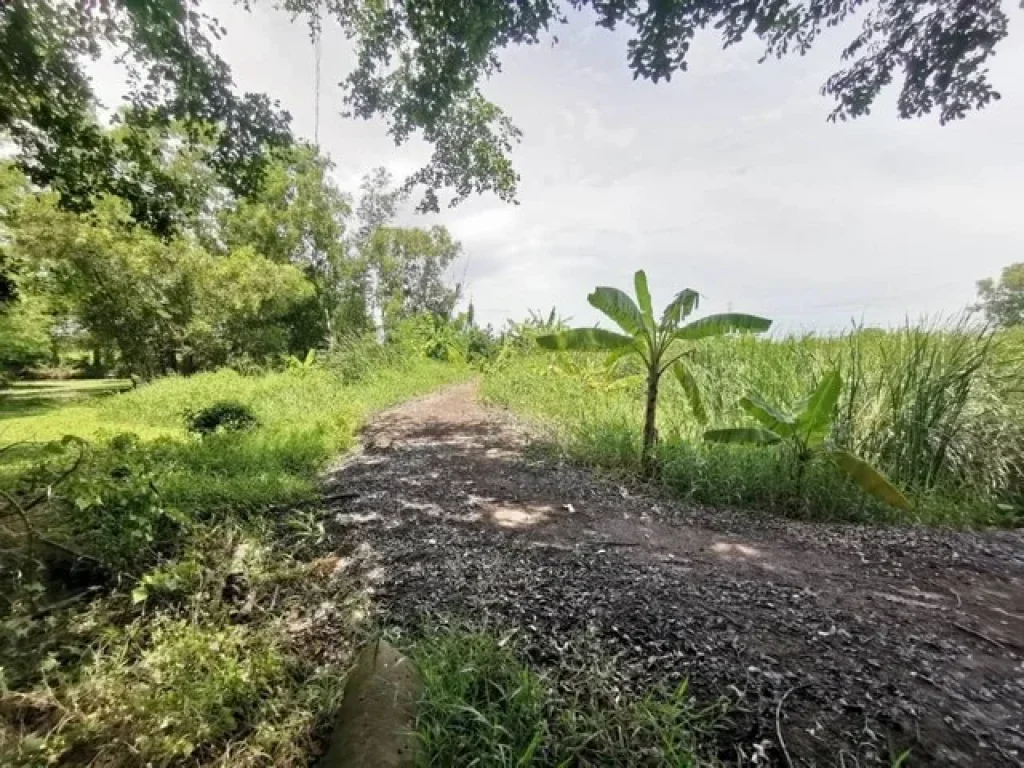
(316, 80)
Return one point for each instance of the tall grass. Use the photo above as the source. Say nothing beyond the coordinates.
(933, 406)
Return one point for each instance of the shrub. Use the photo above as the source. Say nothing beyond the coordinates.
(112, 508)
(223, 416)
(355, 357)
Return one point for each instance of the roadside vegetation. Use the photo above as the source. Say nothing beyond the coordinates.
(937, 408)
(483, 705)
(158, 597)
(178, 527)
(195, 320)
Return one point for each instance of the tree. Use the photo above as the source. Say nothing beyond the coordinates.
(421, 63)
(1002, 300)
(403, 267)
(804, 433)
(164, 305)
(378, 203)
(25, 327)
(660, 345)
(242, 307)
(421, 66)
(298, 216)
(410, 264)
(175, 80)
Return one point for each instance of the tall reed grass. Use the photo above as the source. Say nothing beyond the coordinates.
(937, 406)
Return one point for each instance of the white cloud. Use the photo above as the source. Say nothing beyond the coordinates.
(487, 225)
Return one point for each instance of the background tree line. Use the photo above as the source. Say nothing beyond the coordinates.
(222, 278)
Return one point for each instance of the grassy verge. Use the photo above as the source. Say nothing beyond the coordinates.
(484, 706)
(201, 624)
(940, 412)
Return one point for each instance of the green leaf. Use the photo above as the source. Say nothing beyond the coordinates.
(742, 436)
(619, 307)
(775, 420)
(816, 417)
(679, 308)
(870, 479)
(612, 361)
(717, 325)
(585, 338)
(643, 297)
(689, 384)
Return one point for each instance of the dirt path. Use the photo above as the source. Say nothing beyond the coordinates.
(882, 638)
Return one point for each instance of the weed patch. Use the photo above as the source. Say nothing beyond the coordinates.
(483, 705)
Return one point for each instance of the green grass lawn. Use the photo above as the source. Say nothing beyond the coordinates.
(45, 389)
(305, 417)
(23, 402)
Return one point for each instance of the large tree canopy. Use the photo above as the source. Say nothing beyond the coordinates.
(242, 280)
(421, 63)
(175, 82)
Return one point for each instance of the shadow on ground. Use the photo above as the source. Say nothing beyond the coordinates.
(876, 639)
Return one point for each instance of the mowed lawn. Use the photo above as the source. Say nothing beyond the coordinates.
(47, 410)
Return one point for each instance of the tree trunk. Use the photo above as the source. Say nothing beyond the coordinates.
(801, 469)
(650, 426)
(329, 329)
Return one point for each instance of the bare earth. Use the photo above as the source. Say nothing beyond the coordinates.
(876, 639)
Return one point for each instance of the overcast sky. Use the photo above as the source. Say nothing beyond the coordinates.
(728, 180)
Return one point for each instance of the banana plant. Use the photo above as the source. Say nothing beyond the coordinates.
(661, 345)
(804, 432)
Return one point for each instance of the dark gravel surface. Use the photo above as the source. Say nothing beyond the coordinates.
(873, 639)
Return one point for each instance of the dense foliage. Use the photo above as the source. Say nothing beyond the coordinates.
(48, 109)
(938, 410)
(247, 280)
(421, 66)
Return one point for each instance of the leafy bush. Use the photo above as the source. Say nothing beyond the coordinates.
(803, 433)
(112, 508)
(169, 582)
(224, 416)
